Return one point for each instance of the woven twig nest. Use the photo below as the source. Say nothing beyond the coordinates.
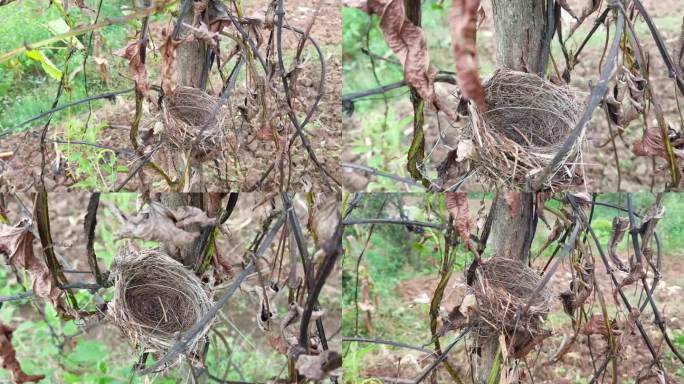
(502, 288)
(527, 122)
(191, 121)
(156, 299)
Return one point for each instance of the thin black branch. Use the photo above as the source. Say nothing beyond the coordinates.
(394, 221)
(387, 342)
(441, 357)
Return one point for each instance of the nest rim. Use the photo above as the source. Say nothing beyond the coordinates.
(134, 308)
(505, 154)
(184, 114)
(501, 298)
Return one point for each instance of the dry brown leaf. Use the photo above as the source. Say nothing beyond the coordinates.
(158, 223)
(408, 43)
(318, 367)
(457, 204)
(597, 326)
(326, 218)
(202, 33)
(463, 25)
(135, 65)
(17, 243)
(168, 60)
(8, 358)
(620, 225)
(102, 63)
(651, 144)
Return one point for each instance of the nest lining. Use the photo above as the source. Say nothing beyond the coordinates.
(190, 122)
(527, 122)
(156, 299)
(502, 288)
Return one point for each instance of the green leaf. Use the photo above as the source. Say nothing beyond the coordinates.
(70, 378)
(48, 66)
(59, 27)
(88, 351)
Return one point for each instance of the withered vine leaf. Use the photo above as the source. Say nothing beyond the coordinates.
(137, 68)
(168, 60)
(8, 358)
(620, 225)
(651, 144)
(158, 223)
(408, 43)
(463, 25)
(597, 326)
(17, 243)
(457, 204)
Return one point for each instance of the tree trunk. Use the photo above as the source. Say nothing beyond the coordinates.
(519, 34)
(189, 56)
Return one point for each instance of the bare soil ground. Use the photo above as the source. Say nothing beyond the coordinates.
(248, 157)
(575, 366)
(601, 170)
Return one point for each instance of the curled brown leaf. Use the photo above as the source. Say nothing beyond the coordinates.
(158, 223)
(597, 326)
(620, 225)
(651, 144)
(8, 358)
(168, 60)
(457, 204)
(407, 41)
(17, 243)
(463, 25)
(137, 68)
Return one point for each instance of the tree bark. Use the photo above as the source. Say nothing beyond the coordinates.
(519, 34)
(189, 56)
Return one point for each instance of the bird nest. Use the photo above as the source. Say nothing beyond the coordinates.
(192, 120)
(527, 122)
(156, 299)
(502, 289)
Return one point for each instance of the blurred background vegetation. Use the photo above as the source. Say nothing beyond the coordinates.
(29, 82)
(396, 256)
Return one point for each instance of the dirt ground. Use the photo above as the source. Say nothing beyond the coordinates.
(245, 158)
(636, 173)
(394, 365)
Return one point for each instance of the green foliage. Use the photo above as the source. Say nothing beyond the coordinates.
(393, 255)
(28, 83)
(353, 358)
(95, 168)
